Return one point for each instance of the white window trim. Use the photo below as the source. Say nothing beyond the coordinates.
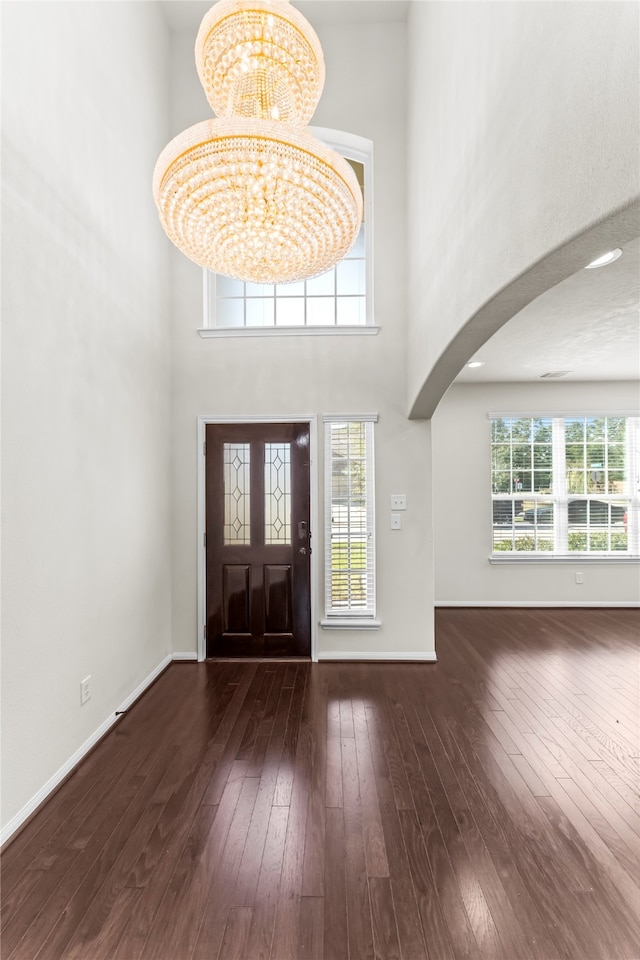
(340, 619)
(356, 331)
(560, 496)
(357, 148)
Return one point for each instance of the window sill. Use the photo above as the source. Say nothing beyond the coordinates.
(351, 623)
(354, 331)
(564, 558)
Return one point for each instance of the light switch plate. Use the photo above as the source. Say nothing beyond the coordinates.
(398, 501)
(396, 521)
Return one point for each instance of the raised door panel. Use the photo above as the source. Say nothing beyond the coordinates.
(236, 598)
(277, 598)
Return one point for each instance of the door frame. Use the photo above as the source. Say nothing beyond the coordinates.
(312, 420)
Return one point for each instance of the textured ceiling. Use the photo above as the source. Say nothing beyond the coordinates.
(589, 325)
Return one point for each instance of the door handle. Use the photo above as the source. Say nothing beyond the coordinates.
(303, 551)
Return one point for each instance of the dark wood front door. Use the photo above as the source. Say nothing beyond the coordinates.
(258, 540)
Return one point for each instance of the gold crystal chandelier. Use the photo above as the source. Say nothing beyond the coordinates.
(252, 194)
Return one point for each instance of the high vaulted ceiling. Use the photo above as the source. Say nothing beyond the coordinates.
(588, 325)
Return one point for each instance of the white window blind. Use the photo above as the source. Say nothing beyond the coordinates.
(349, 508)
(565, 486)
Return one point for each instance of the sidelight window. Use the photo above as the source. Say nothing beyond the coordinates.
(349, 507)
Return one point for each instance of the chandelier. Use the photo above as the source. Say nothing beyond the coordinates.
(252, 194)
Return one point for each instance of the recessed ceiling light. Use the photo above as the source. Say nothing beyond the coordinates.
(475, 363)
(605, 259)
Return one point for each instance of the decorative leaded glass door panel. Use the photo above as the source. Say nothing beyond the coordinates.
(257, 525)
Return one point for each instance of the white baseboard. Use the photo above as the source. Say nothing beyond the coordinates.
(390, 655)
(10, 828)
(140, 689)
(189, 655)
(537, 603)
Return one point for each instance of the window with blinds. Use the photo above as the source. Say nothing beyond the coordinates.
(349, 506)
(565, 486)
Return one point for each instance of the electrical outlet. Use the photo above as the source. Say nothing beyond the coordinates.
(398, 501)
(579, 577)
(85, 690)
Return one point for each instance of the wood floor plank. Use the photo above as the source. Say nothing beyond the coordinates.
(157, 861)
(397, 771)
(445, 924)
(586, 684)
(285, 931)
(271, 711)
(541, 677)
(310, 929)
(67, 889)
(543, 870)
(499, 845)
(284, 783)
(603, 875)
(624, 853)
(223, 876)
(248, 872)
(335, 937)
(346, 709)
(626, 786)
(603, 746)
(176, 924)
(103, 945)
(374, 845)
(313, 865)
(256, 716)
(333, 785)
(429, 746)
(235, 935)
(577, 767)
(408, 915)
(147, 926)
(484, 807)
(108, 907)
(385, 929)
(266, 899)
(359, 924)
(435, 845)
(231, 731)
(530, 888)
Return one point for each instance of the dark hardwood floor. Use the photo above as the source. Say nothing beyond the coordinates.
(482, 807)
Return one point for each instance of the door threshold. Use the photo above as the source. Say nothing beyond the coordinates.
(258, 660)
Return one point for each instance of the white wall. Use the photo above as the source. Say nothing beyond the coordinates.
(462, 493)
(86, 532)
(523, 137)
(287, 376)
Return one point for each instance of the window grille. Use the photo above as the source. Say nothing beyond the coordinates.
(565, 486)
